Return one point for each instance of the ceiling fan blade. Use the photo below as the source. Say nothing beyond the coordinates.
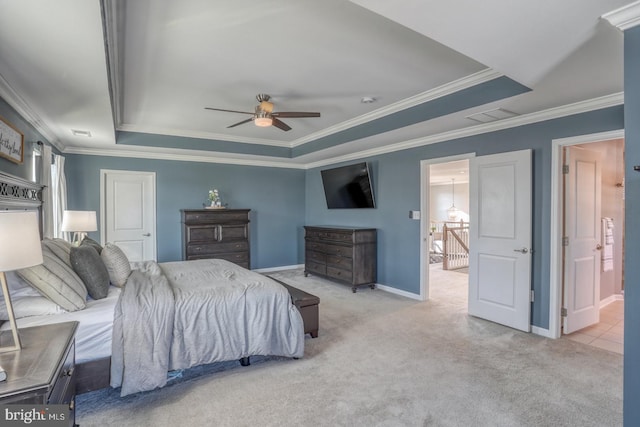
(228, 111)
(294, 114)
(280, 124)
(240, 123)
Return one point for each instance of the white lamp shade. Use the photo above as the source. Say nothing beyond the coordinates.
(79, 221)
(20, 244)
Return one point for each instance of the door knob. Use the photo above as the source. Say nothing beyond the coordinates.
(147, 234)
(598, 247)
(522, 251)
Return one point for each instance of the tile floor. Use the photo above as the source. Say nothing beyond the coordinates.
(609, 333)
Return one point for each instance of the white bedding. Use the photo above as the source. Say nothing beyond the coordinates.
(93, 338)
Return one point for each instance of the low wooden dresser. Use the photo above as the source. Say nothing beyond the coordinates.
(345, 254)
(43, 371)
(216, 233)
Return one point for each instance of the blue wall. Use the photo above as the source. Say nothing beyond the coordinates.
(275, 196)
(396, 180)
(632, 231)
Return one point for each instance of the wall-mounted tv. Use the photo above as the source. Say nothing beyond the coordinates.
(348, 187)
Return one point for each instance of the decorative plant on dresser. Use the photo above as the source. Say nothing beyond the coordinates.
(216, 233)
(345, 254)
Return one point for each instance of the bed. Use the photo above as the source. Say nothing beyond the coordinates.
(203, 311)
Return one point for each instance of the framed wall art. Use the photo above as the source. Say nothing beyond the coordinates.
(11, 142)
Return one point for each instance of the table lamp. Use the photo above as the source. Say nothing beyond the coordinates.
(79, 222)
(20, 248)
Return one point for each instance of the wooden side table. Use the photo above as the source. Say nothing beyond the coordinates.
(42, 373)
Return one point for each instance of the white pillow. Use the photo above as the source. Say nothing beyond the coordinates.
(57, 281)
(117, 264)
(26, 300)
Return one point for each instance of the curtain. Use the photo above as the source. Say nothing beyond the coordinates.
(47, 193)
(59, 196)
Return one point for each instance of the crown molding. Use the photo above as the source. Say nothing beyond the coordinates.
(625, 17)
(525, 119)
(22, 107)
(201, 135)
(247, 160)
(110, 29)
(175, 154)
(444, 90)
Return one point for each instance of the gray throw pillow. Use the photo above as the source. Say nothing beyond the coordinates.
(56, 281)
(117, 264)
(89, 266)
(87, 241)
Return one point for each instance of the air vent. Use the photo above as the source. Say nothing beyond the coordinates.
(491, 115)
(84, 133)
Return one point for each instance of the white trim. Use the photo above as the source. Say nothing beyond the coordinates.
(625, 17)
(555, 253)
(201, 135)
(243, 159)
(447, 89)
(425, 218)
(400, 292)
(183, 156)
(611, 299)
(281, 268)
(541, 331)
(23, 109)
(525, 119)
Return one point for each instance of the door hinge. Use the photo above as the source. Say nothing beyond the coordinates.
(565, 169)
(563, 312)
(532, 296)
(565, 241)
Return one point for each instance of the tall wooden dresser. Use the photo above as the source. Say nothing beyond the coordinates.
(345, 254)
(216, 233)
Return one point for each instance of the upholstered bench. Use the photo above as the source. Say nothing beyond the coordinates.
(307, 304)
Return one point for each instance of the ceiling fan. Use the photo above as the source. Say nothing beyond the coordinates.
(265, 116)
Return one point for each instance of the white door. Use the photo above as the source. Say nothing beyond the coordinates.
(129, 212)
(500, 238)
(582, 229)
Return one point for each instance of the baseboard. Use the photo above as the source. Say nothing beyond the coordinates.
(399, 292)
(542, 332)
(281, 268)
(611, 298)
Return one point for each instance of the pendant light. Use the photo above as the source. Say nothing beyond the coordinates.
(453, 212)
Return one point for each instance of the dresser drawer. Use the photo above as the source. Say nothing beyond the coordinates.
(217, 248)
(314, 256)
(64, 387)
(343, 251)
(339, 262)
(340, 274)
(314, 245)
(214, 215)
(315, 267)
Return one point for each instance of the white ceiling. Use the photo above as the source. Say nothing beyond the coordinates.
(151, 66)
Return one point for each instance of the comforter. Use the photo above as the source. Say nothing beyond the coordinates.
(181, 314)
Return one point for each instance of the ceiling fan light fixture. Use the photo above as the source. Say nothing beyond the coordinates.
(263, 121)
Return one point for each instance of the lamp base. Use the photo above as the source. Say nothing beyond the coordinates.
(78, 237)
(17, 345)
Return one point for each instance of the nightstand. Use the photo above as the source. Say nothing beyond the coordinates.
(42, 373)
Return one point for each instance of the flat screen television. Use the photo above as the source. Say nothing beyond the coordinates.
(348, 187)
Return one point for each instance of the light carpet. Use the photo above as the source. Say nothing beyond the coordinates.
(385, 360)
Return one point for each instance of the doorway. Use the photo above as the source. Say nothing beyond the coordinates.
(606, 328)
(445, 185)
(449, 231)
